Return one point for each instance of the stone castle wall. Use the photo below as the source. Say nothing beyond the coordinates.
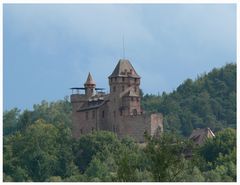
(134, 126)
(156, 123)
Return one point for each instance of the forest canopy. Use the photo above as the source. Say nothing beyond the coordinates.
(38, 145)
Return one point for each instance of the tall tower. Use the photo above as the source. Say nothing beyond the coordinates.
(124, 89)
(89, 86)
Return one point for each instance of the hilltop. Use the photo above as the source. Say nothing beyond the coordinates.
(208, 101)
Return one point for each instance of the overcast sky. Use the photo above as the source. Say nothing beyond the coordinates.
(50, 48)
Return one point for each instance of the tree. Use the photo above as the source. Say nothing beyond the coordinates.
(97, 171)
(10, 121)
(90, 144)
(224, 143)
(166, 157)
(39, 152)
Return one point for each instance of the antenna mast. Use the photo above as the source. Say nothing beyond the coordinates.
(123, 48)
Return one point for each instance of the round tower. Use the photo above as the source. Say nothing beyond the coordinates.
(89, 86)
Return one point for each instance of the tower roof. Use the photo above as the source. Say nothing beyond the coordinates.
(124, 68)
(89, 80)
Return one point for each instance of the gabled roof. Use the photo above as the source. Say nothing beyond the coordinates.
(198, 136)
(129, 92)
(132, 93)
(124, 68)
(89, 107)
(94, 102)
(90, 80)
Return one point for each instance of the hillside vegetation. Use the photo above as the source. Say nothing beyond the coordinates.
(38, 145)
(209, 101)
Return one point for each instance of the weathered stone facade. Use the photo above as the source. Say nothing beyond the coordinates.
(119, 111)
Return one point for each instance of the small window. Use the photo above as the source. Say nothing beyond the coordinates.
(115, 79)
(135, 80)
(114, 89)
(123, 88)
(92, 129)
(103, 114)
(121, 112)
(134, 112)
(114, 114)
(93, 114)
(123, 79)
(81, 130)
(135, 89)
(86, 115)
(132, 99)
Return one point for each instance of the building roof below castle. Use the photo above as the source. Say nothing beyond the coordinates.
(198, 136)
(124, 69)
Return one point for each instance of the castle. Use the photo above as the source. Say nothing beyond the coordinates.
(119, 111)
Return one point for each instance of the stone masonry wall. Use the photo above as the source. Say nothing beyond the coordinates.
(134, 126)
(156, 123)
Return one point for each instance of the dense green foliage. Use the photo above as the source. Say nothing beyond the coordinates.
(44, 152)
(38, 145)
(55, 112)
(209, 101)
